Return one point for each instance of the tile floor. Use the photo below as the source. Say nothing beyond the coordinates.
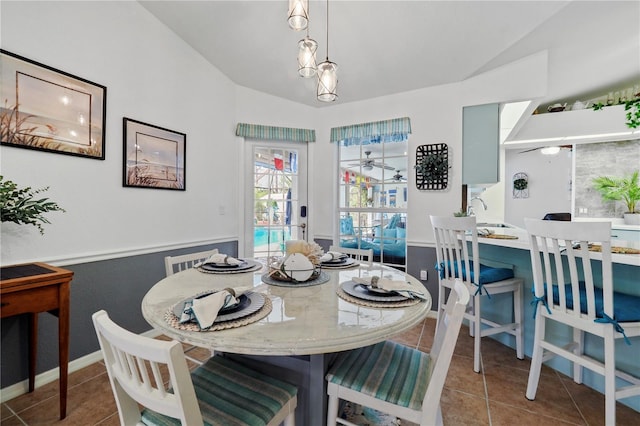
(494, 397)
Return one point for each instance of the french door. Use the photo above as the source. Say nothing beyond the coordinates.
(276, 196)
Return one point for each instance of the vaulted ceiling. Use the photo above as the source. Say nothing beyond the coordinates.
(387, 47)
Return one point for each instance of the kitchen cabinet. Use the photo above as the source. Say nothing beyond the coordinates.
(480, 144)
(632, 235)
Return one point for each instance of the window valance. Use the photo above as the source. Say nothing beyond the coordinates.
(258, 131)
(395, 130)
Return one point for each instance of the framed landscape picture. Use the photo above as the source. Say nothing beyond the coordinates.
(46, 109)
(154, 157)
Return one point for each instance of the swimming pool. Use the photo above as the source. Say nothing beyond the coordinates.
(263, 236)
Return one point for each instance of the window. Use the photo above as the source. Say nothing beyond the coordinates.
(373, 195)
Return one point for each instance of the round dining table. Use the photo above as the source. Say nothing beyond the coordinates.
(299, 327)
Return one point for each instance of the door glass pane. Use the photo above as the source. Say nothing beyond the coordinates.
(277, 196)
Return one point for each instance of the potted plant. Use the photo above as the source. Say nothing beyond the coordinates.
(625, 188)
(19, 205)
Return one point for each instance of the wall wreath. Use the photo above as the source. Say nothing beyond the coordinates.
(432, 166)
(520, 185)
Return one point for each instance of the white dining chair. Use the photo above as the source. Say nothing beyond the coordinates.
(559, 251)
(220, 391)
(454, 255)
(364, 256)
(175, 264)
(397, 379)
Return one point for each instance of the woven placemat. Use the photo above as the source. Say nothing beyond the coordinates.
(174, 321)
(374, 304)
(320, 279)
(614, 249)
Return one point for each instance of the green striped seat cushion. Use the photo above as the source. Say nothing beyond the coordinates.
(387, 371)
(231, 394)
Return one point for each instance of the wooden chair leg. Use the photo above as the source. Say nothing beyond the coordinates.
(33, 349)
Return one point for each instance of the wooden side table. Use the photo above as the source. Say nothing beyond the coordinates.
(32, 288)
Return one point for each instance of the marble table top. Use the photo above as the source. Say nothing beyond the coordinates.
(303, 321)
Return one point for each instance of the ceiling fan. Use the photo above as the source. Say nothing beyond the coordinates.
(397, 177)
(547, 147)
(369, 164)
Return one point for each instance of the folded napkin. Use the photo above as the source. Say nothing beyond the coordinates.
(332, 255)
(222, 259)
(401, 287)
(205, 309)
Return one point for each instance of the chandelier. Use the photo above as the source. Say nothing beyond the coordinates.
(298, 14)
(327, 71)
(327, 74)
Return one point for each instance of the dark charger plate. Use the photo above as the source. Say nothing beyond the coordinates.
(248, 303)
(216, 266)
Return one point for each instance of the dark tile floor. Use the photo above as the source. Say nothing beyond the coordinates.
(493, 397)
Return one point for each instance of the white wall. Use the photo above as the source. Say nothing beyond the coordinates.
(549, 184)
(150, 75)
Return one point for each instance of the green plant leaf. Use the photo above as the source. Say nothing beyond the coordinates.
(18, 205)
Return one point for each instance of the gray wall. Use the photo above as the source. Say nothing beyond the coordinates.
(614, 159)
(116, 285)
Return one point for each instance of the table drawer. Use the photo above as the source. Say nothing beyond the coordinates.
(35, 300)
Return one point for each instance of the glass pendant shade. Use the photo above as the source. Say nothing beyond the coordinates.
(298, 14)
(307, 57)
(327, 81)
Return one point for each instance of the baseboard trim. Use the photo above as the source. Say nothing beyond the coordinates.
(52, 375)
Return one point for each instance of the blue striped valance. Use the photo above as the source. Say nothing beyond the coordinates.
(257, 131)
(395, 130)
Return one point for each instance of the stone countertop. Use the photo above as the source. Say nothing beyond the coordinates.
(522, 242)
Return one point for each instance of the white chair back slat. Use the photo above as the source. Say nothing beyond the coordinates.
(174, 264)
(362, 255)
(456, 251)
(563, 245)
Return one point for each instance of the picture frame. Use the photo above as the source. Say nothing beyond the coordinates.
(153, 156)
(46, 109)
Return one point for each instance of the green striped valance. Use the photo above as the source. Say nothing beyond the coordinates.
(257, 131)
(394, 127)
